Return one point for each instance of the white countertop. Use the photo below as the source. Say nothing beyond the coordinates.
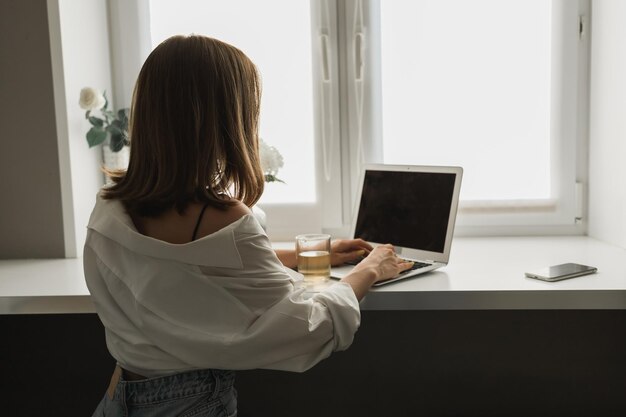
(31, 286)
(488, 273)
(484, 273)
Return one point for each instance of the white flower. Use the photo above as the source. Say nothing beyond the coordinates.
(271, 161)
(91, 99)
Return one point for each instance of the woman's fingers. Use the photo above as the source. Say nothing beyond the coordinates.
(389, 264)
(384, 256)
(339, 258)
(347, 250)
(405, 265)
(363, 244)
(348, 245)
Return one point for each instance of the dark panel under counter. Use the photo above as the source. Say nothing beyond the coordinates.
(52, 364)
(402, 363)
(459, 363)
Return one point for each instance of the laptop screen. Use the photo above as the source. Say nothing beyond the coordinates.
(408, 209)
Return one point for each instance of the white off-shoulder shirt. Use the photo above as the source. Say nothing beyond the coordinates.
(224, 301)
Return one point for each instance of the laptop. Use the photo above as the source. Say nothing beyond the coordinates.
(411, 207)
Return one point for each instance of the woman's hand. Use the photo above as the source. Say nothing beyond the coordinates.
(346, 250)
(385, 262)
(382, 263)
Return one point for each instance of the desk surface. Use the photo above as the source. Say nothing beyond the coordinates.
(483, 274)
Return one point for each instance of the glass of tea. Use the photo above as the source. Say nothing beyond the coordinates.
(313, 252)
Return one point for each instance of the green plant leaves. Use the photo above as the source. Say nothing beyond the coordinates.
(114, 125)
(273, 178)
(96, 121)
(115, 128)
(117, 142)
(108, 114)
(95, 136)
(122, 114)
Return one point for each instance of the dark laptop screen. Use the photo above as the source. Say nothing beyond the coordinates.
(408, 209)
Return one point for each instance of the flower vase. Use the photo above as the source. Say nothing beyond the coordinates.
(114, 160)
(260, 215)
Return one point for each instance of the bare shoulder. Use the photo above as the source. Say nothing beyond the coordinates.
(174, 227)
(237, 211)
(215, 219)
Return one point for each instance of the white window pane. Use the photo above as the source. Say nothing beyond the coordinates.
(276, 35)
(468, 83)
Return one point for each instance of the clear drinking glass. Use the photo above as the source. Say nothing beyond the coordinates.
(313, 252)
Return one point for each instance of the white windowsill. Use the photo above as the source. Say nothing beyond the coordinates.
(484, 274)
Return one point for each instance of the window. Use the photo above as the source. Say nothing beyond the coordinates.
(470, 88)
(284, 63)
(496, 86)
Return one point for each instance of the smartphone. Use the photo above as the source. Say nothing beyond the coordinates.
(563, 271)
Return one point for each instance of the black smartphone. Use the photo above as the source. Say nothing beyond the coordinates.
(563, 271)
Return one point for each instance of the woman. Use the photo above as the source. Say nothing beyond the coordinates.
(182, 276)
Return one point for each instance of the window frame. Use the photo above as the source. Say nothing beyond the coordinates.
(345, 42)
(564, 213)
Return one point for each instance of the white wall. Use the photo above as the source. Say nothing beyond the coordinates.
(607, 135)
(80, 53)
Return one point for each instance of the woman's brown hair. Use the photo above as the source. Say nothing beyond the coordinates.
(193, 129)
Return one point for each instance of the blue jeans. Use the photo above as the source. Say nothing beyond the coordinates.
(202, 393)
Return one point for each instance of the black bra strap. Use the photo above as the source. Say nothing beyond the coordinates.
(195, 230)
